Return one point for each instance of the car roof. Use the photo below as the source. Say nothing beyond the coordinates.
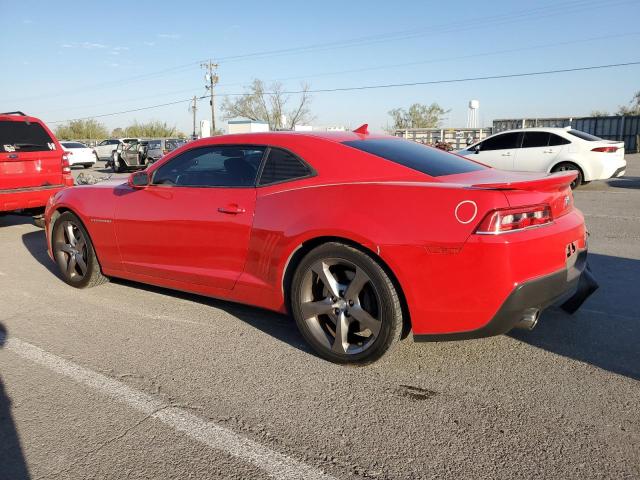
(337, 137)
(538, 129)
(16, 117)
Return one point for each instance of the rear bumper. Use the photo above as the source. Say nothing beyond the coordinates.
(619, 172)
(19, 199)
(573, 284)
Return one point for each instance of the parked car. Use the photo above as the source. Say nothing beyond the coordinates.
(104, 150)
(130, 156)
(79, 154)
(156, 149)
(33, 165)
(360, 237)
(551, 150)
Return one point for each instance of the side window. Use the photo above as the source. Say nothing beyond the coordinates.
(104, 142)
(113, 142)
(215, 166)
(555, 140)
(282, 166)
(535, 139)
(500, 142)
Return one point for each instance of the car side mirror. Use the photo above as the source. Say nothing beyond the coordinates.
(476, 149)
(139, 180)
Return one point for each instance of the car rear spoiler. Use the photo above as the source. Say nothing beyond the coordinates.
(550, 181)
(17, 112)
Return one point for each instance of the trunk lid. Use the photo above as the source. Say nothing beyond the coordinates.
(523, 188)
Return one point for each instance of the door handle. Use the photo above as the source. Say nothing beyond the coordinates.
(13, 155)
(508, 154)
(232, 209)
(547, 151)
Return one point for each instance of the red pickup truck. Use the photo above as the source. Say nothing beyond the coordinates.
(33, 165)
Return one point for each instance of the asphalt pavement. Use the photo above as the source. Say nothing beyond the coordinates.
(130, 381)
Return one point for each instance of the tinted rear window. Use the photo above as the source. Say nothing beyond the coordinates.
(424, 159)
(24, 137)
(154, 144)
(74, 145)
(584, 136)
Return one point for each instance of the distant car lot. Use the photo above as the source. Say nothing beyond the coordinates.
(563, 398)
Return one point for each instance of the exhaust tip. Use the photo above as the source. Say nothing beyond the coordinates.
(529, 319)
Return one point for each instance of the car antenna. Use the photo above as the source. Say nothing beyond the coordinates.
(362, 129)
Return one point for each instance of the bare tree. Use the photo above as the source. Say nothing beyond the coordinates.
(417, 116)
(269, 105)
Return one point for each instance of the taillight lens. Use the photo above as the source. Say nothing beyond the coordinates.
(65, 163)
(513, 219)
(605, 149)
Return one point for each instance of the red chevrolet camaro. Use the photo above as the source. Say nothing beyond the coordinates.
(362, 238)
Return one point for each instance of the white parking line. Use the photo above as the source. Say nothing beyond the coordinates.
(209, 433)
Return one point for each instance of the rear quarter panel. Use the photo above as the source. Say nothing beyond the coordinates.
(389, 219)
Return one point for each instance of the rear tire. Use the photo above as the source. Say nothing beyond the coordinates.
(345, 305)
(74, 253)
(568, 166)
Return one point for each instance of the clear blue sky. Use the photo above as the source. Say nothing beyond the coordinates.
(65, 59)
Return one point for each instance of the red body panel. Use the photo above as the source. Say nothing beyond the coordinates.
(28, 179)
(421, 227)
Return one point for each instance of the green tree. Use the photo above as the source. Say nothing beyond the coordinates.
(633, 108)
(417, 116)
(153, 128)
(269, 105)
(81, 129)
(117, 133)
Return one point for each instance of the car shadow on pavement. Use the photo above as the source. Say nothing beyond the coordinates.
(36, 244)
(605, 332)
(624, 182)
(277, 325)
(12, 462)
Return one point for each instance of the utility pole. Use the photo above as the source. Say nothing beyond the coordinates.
(211, 78)
(194, 108)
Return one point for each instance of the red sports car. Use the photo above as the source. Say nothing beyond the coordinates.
(362, 238)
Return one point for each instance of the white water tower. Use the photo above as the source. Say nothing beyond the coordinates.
(472, 114)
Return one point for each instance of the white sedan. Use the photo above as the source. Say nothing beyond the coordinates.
(79, 154)
(551, 150)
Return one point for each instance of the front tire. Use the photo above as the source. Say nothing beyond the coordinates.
(74, 253)
(568, 166)
(345, 305)
(118, 164)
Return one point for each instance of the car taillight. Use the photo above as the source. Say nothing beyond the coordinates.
(605, 149)
(65, 163)
(513, 219)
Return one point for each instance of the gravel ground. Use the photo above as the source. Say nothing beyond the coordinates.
(130, 381)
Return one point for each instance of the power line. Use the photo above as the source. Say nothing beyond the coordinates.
(372, 87)
(377, 67)
(472, 23)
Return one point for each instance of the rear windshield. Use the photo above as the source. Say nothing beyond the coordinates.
(24, 137)
(584, 136)
(154, 144)
(419, 157)
(74, 145)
